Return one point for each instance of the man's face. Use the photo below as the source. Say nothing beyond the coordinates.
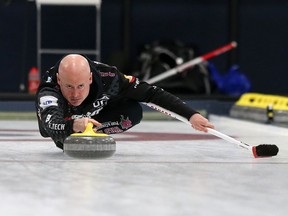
(75, 89)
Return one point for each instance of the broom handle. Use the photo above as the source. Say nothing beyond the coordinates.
(210, 130)
(192, 62)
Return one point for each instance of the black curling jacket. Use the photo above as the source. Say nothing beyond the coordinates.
(56, 116)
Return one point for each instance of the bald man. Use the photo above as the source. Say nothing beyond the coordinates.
(77, 91)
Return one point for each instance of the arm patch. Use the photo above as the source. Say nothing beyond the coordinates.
(130, 78)
(47, 101)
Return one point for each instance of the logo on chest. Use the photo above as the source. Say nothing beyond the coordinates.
(101, 102)
(93, 109)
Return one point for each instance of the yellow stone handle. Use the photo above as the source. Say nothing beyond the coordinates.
(89, 131)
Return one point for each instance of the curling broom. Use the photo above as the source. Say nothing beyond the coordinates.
(262, 150)
(192, 62)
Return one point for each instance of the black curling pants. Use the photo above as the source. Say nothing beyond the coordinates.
(119, 116)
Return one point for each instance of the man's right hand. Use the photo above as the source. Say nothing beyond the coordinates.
(80, 124)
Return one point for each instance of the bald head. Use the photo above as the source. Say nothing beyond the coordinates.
(74, 78)
(74, 65)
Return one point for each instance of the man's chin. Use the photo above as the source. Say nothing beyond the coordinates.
(75, 103)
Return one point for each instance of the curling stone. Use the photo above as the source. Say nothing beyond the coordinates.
(89, 145)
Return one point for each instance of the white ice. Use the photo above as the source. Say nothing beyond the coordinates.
(143, 178)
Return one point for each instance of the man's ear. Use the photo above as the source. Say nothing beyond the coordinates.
(58, 79)
(90, 78)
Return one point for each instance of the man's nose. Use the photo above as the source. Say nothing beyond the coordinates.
(75, 92)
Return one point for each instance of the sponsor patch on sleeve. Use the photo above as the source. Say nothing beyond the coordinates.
(130, 78)
(47, 101)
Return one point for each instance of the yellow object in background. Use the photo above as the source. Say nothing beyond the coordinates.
(263, 101)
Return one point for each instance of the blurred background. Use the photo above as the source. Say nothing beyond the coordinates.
(128, 29)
